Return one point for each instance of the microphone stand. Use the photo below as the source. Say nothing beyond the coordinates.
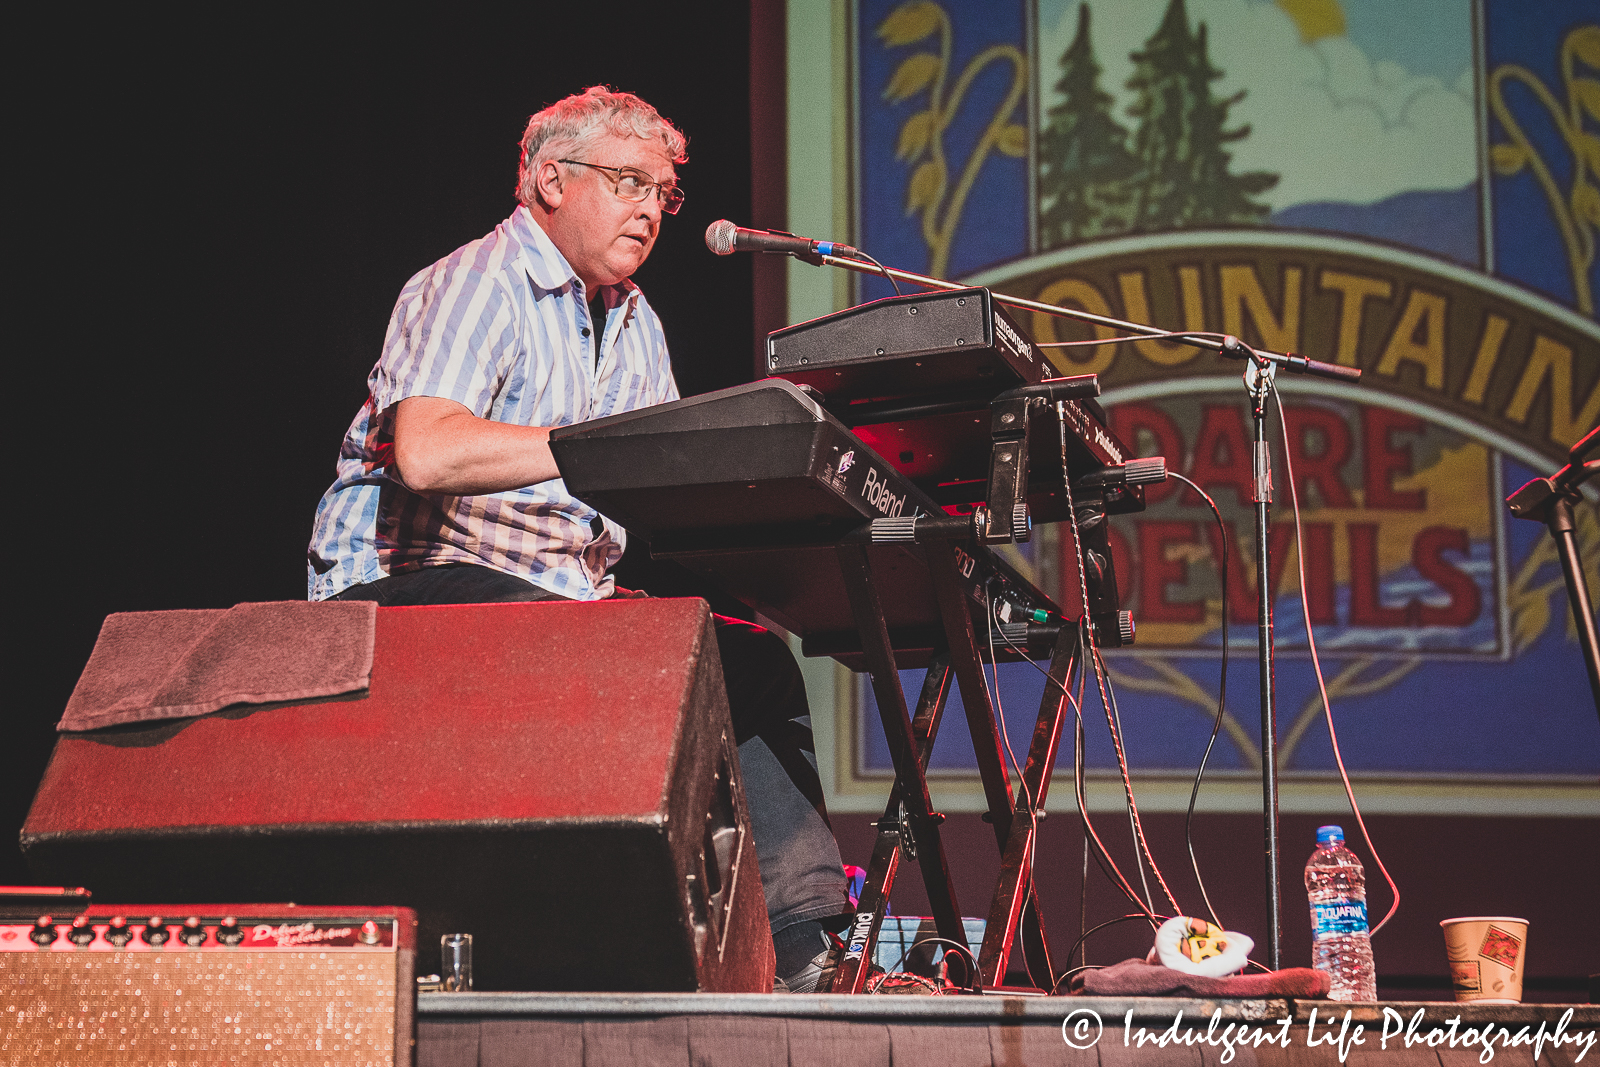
(1258, 377)
(1549, 500)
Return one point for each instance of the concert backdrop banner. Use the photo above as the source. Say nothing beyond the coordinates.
(1412, 189)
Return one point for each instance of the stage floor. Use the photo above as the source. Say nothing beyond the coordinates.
(756, 1030)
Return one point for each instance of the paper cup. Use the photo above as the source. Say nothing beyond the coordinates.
(1486, 954)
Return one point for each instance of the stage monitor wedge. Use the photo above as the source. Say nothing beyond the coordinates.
(557, 779)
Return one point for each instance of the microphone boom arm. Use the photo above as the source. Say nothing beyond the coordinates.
(1290, 361)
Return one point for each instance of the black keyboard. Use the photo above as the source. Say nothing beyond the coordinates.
(926, 344)
(913, 376)
(755, 487)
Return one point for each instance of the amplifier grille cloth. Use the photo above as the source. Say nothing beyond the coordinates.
(323, 1006)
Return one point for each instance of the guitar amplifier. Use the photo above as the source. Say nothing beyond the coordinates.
(237, 983)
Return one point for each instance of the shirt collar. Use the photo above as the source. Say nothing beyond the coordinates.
(546, 265)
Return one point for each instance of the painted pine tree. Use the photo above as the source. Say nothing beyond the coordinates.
(1179, 147)
(1084, 165)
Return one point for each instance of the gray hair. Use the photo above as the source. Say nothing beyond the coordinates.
(572, 126)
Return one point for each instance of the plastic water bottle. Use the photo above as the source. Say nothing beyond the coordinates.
(1340, 944)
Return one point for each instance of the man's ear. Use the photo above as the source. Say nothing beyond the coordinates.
(548, 183)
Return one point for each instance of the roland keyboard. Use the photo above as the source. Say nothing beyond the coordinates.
(755, 487)
(912, 376)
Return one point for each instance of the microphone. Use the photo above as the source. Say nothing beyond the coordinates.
(724, 238)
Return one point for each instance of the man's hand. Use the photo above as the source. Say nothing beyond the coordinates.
(441, 447)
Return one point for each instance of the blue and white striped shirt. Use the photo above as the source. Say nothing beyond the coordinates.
(498, 327)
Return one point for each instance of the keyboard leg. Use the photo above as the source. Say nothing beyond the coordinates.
(911, 782)
(956, 613)
(961, 632)
(862, 939)
(1014, 909)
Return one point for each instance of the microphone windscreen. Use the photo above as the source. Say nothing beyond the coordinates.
(720, 236)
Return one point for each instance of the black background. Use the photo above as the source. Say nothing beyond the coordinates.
(214, 225)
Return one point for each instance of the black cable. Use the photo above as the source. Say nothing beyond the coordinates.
(882, 270)
(1055, 989)
(1083, 891)
(990, 614)
(1139, 854)
(1222, 699)
(1086, 641)
(1316, 661)
(1108, 866)
(1072, 665)
(906, 952)
(972, 980)
(1102, 926)
(1102, 855)
(1142, 853)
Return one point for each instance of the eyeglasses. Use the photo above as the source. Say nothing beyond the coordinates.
(634, 185)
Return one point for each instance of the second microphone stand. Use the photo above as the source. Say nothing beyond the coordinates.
(1549, 500)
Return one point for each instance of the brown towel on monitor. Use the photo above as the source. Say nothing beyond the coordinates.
(150, 665)
(1136, 978)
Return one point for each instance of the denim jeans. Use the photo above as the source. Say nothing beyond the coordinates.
(800, 867)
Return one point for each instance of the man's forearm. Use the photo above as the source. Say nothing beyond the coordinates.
(441, 447)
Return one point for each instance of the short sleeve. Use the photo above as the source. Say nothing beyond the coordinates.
(452, 335)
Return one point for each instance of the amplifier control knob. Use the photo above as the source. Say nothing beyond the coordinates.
(155, 931)
(44, 931)
(228, 932)
(117, 932)
(82, 933)
(193, 934)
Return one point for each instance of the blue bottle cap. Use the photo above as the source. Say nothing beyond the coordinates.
(1326, 834)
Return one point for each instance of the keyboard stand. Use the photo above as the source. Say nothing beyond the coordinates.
(792, 487)
(909, 825)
